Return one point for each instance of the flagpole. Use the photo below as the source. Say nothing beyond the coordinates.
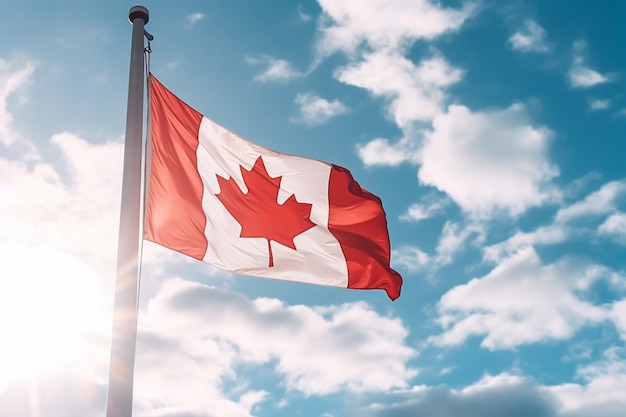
(124, 334)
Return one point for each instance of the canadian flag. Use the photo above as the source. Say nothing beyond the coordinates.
(243, 208)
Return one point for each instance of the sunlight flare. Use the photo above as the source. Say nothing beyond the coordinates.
(50, 311)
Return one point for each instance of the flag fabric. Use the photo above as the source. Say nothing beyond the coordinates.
(246, 209)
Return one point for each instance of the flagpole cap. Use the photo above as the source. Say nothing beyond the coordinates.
(138, 12)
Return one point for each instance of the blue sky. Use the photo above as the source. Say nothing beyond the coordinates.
(494, 134)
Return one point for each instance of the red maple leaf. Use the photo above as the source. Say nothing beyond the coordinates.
(258, 211)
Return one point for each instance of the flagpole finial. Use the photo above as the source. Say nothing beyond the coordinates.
(138, 12)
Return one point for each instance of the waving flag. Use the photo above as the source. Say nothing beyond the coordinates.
(243, 208)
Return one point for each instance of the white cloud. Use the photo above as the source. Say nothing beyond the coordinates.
(415, 93)
(315, 110)
(302, 16)
(603, 202)
(488, 162)
(618, 314)
(530, 38)
(380, 152)
(418, 211)
(453, 237)
(581, 184)
(430, 206)
(614, 226)
(385, 30)
(385, 25)
(194, 18)
(597, 203)
(452, 240)
(521, 301)
(578, 352)
(580, 75)
(53, 253)
(597, 104)
(43, 205)
(277, 70)
(545, 235)
(14, 75)
(410, 258)
(601, 394)
(171, 65)
(492, 396)
(583, 77)
(53, 205)
(203, 333)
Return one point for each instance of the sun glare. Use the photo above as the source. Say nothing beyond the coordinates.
(50, 308)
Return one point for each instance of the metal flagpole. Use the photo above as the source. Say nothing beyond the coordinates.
(124, 335)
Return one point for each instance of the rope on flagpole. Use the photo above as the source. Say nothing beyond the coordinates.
(146, 160)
